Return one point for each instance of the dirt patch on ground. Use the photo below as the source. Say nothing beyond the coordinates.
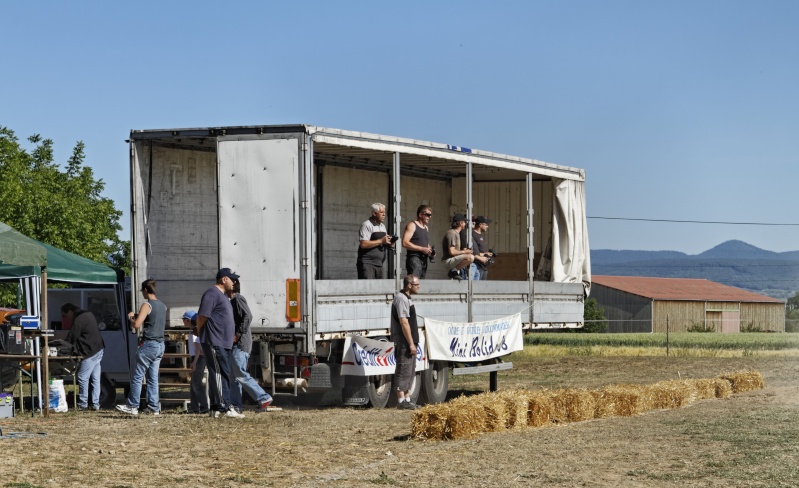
(749, 439)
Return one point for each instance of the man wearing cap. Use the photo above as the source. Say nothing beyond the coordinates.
(455, 258)
(198, 394)
(216, 328)
(482, 255)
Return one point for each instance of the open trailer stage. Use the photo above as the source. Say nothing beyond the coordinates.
(282, 205)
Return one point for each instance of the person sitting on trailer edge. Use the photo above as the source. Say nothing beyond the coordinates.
(416, 239)
(152, 320)
(455, 258)
(405, 336)
(374, 241)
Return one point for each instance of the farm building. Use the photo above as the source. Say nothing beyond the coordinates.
(639, 304)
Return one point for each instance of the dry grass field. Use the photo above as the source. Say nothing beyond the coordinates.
(748, 439)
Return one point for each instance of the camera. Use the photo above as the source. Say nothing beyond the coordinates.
(493, 255)
(432, 257)
(394, 239)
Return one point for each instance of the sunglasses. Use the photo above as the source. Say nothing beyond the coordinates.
(427, 214)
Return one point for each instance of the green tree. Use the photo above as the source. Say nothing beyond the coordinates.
(594, 317)
(62, 208)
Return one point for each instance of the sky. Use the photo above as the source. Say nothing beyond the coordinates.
(677, 110)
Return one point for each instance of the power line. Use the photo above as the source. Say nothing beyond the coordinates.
(694, 221)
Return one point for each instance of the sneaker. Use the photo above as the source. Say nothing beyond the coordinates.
(128, 410)
(232, 413)
(264, 405)
(406, 406)
(214, 414)
(454, 274)
(153, 412)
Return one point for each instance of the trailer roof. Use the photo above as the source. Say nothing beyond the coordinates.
(375, 151)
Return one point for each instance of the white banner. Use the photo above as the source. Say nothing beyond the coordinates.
(367, 357)
(473, 341)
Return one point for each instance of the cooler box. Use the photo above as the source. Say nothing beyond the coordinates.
(6, 405)
(29, 322)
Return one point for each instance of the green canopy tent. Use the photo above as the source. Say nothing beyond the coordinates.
(23, 258)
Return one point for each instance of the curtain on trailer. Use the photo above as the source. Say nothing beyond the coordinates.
(571, 262)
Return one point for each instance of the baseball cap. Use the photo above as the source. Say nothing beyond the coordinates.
(482, 220)
(458, 217)
(190, 315)
(226, 272)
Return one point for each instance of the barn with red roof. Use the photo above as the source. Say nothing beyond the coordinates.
(641, 304)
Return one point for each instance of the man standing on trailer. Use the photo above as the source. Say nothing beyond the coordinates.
(405, 336)
(482, 255)
(216, 328)
(373, 243)
(456, 258)
(416, 239)
(242, 348)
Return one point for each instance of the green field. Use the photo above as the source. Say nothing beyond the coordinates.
(751, 341)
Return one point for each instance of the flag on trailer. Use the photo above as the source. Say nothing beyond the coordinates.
(366, 357)
(473, 341)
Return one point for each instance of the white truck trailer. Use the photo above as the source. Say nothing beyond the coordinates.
(282, 206)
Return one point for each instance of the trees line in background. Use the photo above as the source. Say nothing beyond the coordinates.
(60, 207)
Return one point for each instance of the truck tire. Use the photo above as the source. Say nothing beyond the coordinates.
(379, 389)
(416, 388)
(108, 393)
(435, 383)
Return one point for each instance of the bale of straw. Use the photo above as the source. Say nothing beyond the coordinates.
(495, 411)
(429, 423)
(620, 400)
(742, 381)
(466, 418)
(722, 387)
(669, 394)
(702, 388)
(539, 408)
(516, 406)
(572, 405)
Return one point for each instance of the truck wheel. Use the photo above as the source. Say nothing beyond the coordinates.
(435, 382)
(379, 389)
(108, 394)
(416, 388)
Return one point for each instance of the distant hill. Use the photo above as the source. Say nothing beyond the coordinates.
(733, 263)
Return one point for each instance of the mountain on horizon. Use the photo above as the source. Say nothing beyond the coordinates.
(734, 263)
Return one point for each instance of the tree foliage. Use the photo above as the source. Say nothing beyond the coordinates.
(594, 317)
(63, 208)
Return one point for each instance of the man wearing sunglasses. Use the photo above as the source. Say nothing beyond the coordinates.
(416, 239)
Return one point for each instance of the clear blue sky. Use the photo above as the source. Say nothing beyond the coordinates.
(684, 110)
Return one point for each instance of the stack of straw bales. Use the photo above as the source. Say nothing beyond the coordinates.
(467, 417)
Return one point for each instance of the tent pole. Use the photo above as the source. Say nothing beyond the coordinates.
(45, 402)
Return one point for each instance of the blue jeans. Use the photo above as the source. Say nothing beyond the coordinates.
(217, 360)
(478, 273)
(148, 360)
(244, 380)
(89, 370)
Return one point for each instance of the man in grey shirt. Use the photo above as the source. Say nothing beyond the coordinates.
(405, 336)
(373, 242)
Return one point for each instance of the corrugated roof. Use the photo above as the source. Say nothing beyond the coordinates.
(680, 289)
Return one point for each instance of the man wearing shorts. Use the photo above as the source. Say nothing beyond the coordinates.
(405, 336)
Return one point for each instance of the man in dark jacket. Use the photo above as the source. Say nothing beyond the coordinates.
(240, 355)
(84, 335)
